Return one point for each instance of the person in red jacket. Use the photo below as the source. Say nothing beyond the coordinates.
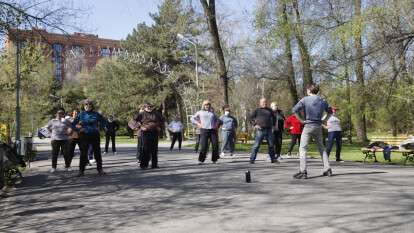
(294, 126)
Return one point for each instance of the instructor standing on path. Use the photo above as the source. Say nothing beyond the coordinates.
(314, 107)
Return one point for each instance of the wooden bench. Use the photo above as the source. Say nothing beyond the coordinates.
(243, 137)
(392, 141)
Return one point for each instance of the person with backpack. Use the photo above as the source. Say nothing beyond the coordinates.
(313, 106)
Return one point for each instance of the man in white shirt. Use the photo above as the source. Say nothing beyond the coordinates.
(176, 130)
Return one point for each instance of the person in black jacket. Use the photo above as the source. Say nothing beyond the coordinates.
(263, 120)
(110, 133)
(278, 128)
(149, 122)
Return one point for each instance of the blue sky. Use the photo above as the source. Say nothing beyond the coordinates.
(114, 19)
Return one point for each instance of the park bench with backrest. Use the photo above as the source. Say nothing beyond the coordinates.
(370, 153)
(243, 137)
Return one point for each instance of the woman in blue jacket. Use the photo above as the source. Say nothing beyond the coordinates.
(88, 123)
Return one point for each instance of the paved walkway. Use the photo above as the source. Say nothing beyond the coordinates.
(185, 197)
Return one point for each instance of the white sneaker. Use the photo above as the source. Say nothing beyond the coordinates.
(68, 169)
(200, 163)
(222, 155)
(92, 161)
(104, 153)
(214, 162)
(114, 153)
(52, 170)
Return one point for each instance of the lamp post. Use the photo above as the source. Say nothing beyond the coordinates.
(17, 139)
(180, 36)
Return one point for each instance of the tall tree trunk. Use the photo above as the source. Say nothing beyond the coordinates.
(288, 54)
(348, 93)
(359, 71)
(304, 52)
(210, 14)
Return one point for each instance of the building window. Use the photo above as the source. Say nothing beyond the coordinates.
(79, 56)
(57, 60)
(105, 52)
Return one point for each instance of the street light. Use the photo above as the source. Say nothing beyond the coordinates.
(180, 36)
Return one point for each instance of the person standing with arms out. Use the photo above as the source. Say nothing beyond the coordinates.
(278, 128)
(294, 127)
(110, 134)
(228, 131)
(207, 122)
(176, 129)
(314, 107)
(59, 127)
(334, 133)
(263, 121)
(149, 123)
(89, 122)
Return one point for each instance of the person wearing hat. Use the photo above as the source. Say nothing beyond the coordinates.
(59, 128)
(149, 123)
(88, 123)
(208, 123)
(334, 134)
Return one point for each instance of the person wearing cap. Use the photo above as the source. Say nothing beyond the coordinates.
(313, 106)
(334, 134)
(228, 131)
(176, 130)
(208, 122)
(278, 128)
(149, 123)
(59, 128)
(110, 134)
(263, 119)
(88, 123)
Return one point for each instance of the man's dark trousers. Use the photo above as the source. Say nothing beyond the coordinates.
(149, 149)
(110, 136)
(94, 141)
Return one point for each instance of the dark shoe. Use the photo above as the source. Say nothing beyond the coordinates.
(251, 162)
(80, 174)
(275, 161)
(143, 168)
(156, 167)
(301, 175)
(101, 173)
(339, 160)
(327, 172)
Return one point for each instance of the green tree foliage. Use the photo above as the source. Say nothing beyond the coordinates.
(121, 85)
(36, 81)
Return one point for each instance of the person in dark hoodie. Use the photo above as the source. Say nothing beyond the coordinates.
(110, 134)
(278, 128)
(149, 123)
(263, 120)
(88, 123)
